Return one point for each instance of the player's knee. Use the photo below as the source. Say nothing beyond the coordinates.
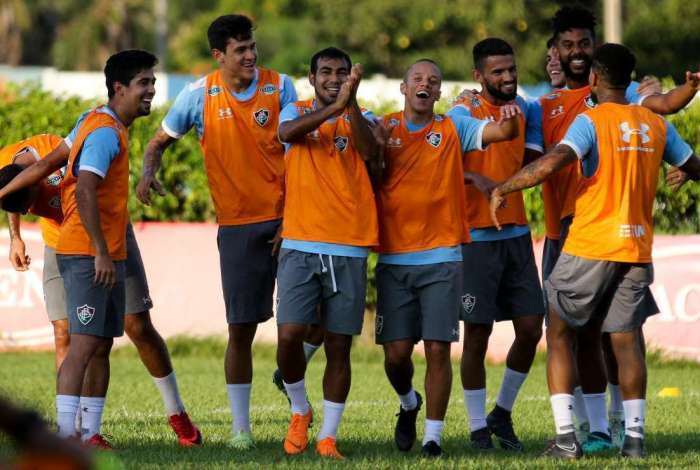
(395, 357)
(287, 335)
(476, 338)
(104, 347)
(437, 350)
(137, 326)
(61, 335)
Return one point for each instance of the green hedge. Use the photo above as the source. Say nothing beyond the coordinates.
(27, 111)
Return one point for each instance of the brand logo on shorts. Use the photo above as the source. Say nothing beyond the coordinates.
(434, 139)
(213, 91)
(147, 300)
(455, 333)
(341, 143)
(468, 303)
(268, 89)
(378, 324)
(225, 113)
(262, 116)
(85, 314)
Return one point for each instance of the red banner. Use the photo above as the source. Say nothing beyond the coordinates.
(182, 264)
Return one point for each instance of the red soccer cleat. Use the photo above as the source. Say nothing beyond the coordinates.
(187, 433)
(98, 441)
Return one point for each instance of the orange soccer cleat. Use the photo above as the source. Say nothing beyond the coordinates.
(297, 439)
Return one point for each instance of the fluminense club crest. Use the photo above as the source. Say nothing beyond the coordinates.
(341, 143)
(268, 89)
(262, 116)
(434, 139)
(85, 314)
(468, 303)
(213, 91)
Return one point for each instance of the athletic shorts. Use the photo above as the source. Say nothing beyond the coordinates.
(337, 283)
(418, 302)
(552, 248)
(580, 289)
(500, 281)
(92, 309)
(247, 270)
(138, 299)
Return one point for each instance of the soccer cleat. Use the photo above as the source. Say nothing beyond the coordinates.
(633, 447)
(242, 440)
(98, 441)
(582, 431)
(481, 439)
(617, 429)
(597, 442)
(326, 448)
(187, 433)
(277, 380)
(297, 439)
(500, 424)
(405, 431)
(564, 447)
(431, 450)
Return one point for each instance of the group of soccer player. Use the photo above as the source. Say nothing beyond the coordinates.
(303, 190)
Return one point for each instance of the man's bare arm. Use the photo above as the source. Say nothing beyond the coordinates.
(290, 131)
(152, 158)
(676, 99)
(506, 128)
(34, 173)
(18, 255)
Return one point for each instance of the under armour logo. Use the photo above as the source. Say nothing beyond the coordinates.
(378, 324)
(628, 132)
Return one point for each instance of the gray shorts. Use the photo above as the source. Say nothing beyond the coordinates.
(552, 248)
(500, 281)
(580, 289)
(92, 309)
(418, 302)
(247, 270)
(337, 283)
(138, 299)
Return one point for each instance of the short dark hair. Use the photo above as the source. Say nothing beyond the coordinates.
(329, 53)
(17, 201)
(573, 17)
(238, 27)
(614, 63)
(424, 59)
(489, 47)
(123, 66)
(550, 42)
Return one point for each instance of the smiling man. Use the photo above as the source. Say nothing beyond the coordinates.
(91, 249)
(235, 112)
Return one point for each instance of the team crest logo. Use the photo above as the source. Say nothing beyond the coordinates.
(439, 118)
(55, 202)
(474, 102)
(262, 116)
(306, 110)
(268, 89)
(341, 143)
(54, 180)
(589, 102)
(213, 91)
(225, 113)
(628, 132)
(378, 324)
(434, 139)
(393, 122)
(552, 96)
(468, 303)
(85, 314)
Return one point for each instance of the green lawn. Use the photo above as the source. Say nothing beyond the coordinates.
(134, 414)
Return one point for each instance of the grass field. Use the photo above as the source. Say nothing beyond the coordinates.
(134, 414)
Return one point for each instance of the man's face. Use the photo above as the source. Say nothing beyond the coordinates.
(239, 58)
(575, 48)
(138, 95)
(330, 75)
(499, 76)
(421, 87)
(553, 67)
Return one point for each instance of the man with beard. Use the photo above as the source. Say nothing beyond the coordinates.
(602, 277)
(551, 116)
(235, 111)
(330, 222)
(422, 226)
(506, 285)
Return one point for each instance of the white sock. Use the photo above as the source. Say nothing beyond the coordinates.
(169, 392)
(597, 412)
(580, 407)
(433, 431)
(562, 409)
(239, 401)
(91, 409)
(615, 408)
(332, 412)
(634, 417)
(512, 381)
(310, 350)
(409, 401)
(475, 400)
(66, 409)
(297, 396)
